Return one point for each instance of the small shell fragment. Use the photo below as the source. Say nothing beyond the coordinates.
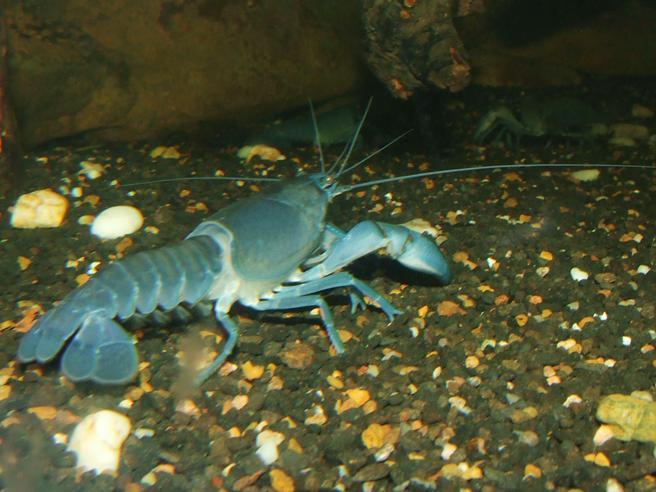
(97, 441)
(115, 222)
(40, 208)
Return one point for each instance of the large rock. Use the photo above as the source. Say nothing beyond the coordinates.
(127, 69)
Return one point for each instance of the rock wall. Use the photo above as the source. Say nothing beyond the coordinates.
(126, 69)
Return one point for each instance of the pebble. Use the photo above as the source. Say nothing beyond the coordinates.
(97, 441)
(264, 152)
(267, 446)
(421, 226)
(529, 438)
(532, 471)
(640, 111)
(632, 416)
(585, 175)
(613, 485)
(375, 471)
(86, 220)
(572, 400)
(578, 274)
(164, 152)
(92, 170)
(461, 470)
(377, 435)
(280, 481)
(40, 208)
(630, 130)
(115, 222)
(448, 450)
(604, 434)
(622, 142)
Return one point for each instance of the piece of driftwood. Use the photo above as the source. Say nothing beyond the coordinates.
(413, 45)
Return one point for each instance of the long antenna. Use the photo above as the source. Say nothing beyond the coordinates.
(317, 136)
(442, 172)
(198, 178)
(355, 138)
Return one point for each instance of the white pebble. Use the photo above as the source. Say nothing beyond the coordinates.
(41, 208)
(267, 445)
(115, 222)
(448, 450)
(383, 453)
(268, 453)
(644, 269)
(143, 432)
(604, 434)
(97, 441)
(572, 400)
(614, 485)
(578, 274)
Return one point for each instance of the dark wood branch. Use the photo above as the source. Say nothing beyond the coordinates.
(413, 44)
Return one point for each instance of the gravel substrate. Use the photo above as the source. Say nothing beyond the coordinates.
(491, 382)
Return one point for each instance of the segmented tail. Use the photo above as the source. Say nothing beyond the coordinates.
(101, 350)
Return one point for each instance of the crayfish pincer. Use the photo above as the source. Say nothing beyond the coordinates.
(271, 251)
